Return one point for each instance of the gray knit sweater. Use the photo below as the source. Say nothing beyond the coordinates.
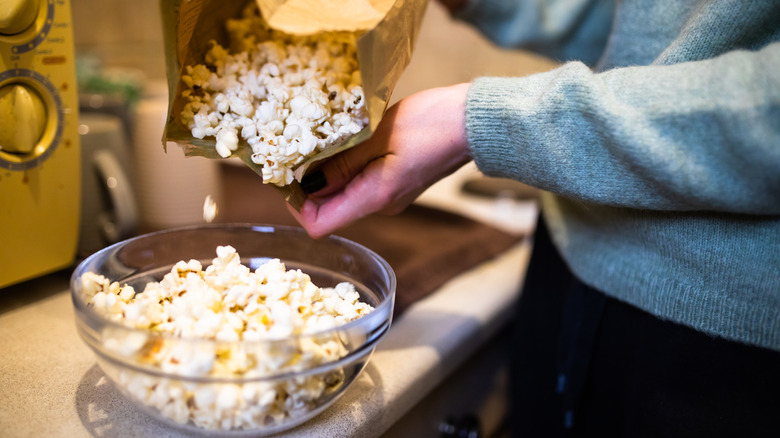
(658, 140)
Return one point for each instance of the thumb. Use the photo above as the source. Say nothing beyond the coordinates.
(335, 172)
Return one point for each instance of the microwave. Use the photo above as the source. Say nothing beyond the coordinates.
(39, 141)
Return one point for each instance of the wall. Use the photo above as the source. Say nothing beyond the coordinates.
(121, 33)
(127, 33)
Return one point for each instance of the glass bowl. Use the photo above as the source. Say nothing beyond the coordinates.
(282, 393)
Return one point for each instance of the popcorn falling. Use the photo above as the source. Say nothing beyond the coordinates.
(209, 209)
(229, 303)
(287, 97)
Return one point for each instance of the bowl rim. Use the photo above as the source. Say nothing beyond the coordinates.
(386, 306)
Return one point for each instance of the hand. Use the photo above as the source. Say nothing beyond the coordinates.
(419, 141)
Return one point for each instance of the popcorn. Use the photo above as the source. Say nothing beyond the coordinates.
(226, 302)
(285, 97)
(209, 209)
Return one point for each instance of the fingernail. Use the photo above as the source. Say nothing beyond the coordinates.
(313, 182)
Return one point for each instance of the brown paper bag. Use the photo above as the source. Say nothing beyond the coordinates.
(386, 32)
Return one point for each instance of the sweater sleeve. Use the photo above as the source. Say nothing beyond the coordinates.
(702, 135)
(560, 29)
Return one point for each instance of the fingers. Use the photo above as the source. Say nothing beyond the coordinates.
(338, 170)
(324, 215)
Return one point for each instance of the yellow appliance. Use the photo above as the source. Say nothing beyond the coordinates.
(39, 141)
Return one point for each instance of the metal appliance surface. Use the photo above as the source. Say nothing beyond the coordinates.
(109, 210)
(39, 142)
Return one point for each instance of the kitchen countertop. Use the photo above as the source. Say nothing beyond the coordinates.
(51, 385)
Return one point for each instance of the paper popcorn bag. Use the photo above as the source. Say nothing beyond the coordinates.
(385, 31)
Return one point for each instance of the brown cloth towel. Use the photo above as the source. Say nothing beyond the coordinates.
(426, 247)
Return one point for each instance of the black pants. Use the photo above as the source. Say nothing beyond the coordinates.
(585, 364)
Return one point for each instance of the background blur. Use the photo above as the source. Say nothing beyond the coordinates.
(128, 35)
(120, 50)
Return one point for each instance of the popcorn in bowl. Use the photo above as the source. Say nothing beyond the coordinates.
(232, 307)
(287, 97)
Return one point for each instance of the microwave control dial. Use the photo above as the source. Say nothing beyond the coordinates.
(17, 15)
(32, 119)
(22, 118)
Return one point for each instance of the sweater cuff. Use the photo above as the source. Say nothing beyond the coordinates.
(495, 129)
(517, 127)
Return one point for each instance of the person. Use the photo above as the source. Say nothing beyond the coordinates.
(651, 306)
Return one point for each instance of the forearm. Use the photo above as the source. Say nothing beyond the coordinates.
(692, 136)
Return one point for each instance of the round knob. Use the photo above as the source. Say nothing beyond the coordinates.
(22, 118)
(17, 15)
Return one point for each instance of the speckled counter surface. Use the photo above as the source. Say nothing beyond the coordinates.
(50, 384)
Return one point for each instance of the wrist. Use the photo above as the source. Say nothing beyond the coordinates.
(460, 134)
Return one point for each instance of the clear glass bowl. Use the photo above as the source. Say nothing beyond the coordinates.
(281, 396)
